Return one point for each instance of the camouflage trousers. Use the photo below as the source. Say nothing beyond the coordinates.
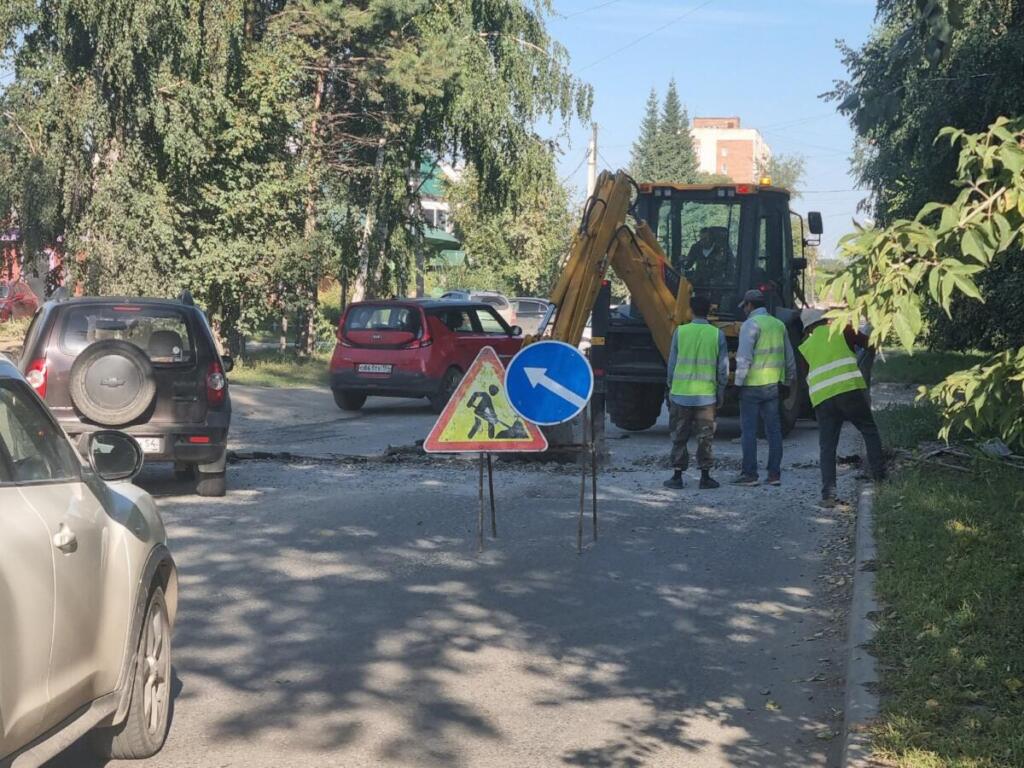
(685, 422)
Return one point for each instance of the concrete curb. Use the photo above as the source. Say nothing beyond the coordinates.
(862, 702)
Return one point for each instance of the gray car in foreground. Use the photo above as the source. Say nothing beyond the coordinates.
(88, 591)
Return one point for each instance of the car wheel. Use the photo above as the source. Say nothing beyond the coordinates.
(348, 401)
(449, 383)
(144, 729)
(211, 484)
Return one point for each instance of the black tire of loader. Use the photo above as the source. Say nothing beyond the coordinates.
(791, 408)
(634, 406)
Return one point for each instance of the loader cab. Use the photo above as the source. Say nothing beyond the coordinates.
(726, 239)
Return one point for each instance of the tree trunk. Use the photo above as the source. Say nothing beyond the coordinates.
(359, 288)
(307, 319)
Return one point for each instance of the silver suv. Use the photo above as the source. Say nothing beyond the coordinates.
(88, 591)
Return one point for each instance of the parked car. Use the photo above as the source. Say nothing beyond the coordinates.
(498, 301)
(17, 300)
(149, 367)
(88, 591)
(413, 348)
(530, 312)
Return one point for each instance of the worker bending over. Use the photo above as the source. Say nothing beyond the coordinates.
(698, 371)
(764, 363)
(839, 394)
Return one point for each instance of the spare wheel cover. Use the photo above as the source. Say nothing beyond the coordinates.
(112, 382)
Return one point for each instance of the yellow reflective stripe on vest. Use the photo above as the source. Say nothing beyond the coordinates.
(769, 363)
(832, 368)
(696, 371)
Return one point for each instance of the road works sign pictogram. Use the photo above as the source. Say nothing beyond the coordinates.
(479, 418)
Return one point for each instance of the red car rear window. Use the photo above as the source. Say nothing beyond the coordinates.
(404, 319)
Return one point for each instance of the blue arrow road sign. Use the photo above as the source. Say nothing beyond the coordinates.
(549, 382)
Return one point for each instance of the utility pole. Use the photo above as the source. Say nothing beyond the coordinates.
(592, 161)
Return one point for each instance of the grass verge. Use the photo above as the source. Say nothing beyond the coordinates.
(906, 426)
(951, 639)
(277, 369)
(923, 367)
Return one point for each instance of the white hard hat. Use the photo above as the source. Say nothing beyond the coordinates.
(811, 315)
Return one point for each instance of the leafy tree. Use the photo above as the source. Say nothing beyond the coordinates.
(953, 63)
(521, 247)
(894, 271)
(785, 171)
(641, 164)
(929, 65)
(246, 149)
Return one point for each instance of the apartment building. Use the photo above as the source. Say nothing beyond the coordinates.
(726, 148)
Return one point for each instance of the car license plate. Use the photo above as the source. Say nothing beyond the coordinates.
(373, 368)
(151, 444)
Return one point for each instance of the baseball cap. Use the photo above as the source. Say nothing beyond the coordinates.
(752, 295)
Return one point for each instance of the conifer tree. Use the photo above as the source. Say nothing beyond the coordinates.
(674, 157)
(641, 164)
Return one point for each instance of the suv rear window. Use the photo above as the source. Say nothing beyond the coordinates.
(161, 332)
(405, 319)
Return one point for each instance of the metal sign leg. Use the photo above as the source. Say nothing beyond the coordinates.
(480, 515)
(593, 478)
(490, 483)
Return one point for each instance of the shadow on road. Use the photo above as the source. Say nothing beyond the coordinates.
(343, 620)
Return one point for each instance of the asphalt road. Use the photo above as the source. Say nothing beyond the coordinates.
(338, 613)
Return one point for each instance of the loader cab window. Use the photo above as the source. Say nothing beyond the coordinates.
(771, 266)
(701, 239)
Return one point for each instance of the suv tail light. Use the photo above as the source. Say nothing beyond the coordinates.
(216, 384)
(36, 376)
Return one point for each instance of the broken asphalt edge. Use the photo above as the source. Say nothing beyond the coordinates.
(862, 700)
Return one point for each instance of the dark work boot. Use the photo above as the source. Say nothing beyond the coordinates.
(707, 482)
(676, 481)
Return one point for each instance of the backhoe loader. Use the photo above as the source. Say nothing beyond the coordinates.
(718, 240)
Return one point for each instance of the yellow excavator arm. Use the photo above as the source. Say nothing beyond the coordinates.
(605, 240)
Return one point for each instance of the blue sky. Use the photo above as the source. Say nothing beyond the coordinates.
(764, 60)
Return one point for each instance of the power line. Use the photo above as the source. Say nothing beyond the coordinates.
(591, 8)
(574, 170)
(799, 121)
(827, 191)
(604, 159)
(643, 37)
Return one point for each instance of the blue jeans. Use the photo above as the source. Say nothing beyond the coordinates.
(760, 404)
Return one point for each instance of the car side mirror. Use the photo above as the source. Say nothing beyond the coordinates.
(228, 362)
(799, 264)
(814, 222)
(516, 330)
(114, 455)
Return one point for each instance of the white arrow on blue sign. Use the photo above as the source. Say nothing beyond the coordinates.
(549, 382)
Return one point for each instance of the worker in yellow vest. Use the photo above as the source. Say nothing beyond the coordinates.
(839, 394)
(764, 363)
(698, 372)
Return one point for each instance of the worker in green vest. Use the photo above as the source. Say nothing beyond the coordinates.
(765, 364)
(839, 394)
(698, 371)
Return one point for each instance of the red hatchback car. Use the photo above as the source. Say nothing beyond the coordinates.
(413, 348)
